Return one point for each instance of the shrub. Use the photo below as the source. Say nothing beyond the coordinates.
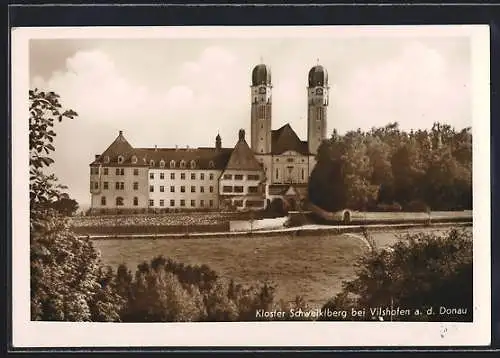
(421, 271)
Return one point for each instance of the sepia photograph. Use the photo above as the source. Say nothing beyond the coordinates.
(245, 181)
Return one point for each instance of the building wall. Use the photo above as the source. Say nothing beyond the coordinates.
(201, 199)
(241, 198)
(127, 193)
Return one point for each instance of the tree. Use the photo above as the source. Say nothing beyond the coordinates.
(67, 283)
(65, 206)
(422, 271)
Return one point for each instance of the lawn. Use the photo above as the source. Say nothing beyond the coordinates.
(313, 267)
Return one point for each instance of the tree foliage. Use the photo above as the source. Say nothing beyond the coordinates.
(421, 271)
(388, 166)
(67, 282)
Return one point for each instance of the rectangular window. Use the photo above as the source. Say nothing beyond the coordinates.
(172, 176)
(117, 171)
(238, 189)
(228, 177)
(238, 177)
(122, 171)
(183, 176)
(94, 170)
(96, 185)
(151, 202)
(162, 175)
(202, 189)
(277, 173)
(289, 160)
(162, 202)
(103, 200)
(105, 185)
(162, 189)
(227, 189)
(193, 176)
(183, 202)
(105, 171)
(136, 201)
(202, 203)
(172, 189)
(202, 176)
(238, 203)
(136, 185)
(211, 203)
(211, 189)
(193, 189)
(122, 185)
(183, 189)
(211, 176)
(302, 173)
(192, 203)
(136, 171)
(172, 202)
(117, 185)
(151, 188)
(253, 177)
(151, 175)
(253, 189)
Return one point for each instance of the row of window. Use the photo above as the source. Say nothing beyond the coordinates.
(240, 177)
(183, 176)
(239, 189)
(302, 173)
(182, 203)
(152, 163)
(135, 201)
(105, 171)
(182, 189)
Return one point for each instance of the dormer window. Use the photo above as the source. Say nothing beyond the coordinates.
(211, 164)
(120, 159)
(152, 163)
(162, 163)
(134, 159)
(172, 164)
(183, 164)
(106, 159)
(192, 164)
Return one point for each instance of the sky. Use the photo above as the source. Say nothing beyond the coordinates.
(183, 91)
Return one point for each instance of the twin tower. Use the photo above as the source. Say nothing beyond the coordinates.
(317, 99)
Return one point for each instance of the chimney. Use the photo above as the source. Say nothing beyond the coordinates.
(121, 133)
(176, 147)
(97, 156)
(156, 148)
(218, 142)
(241, 134)
(187, 147)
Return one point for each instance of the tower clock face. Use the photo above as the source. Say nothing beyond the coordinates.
(319, 91)
(262, 90)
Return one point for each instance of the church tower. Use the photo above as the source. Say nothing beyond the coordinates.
(317, 99)
(261, 109)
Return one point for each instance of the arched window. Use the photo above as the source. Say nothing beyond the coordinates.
(211, 164)
(172, 164)
(119, 201)
(134, 159)
(152, 163)
(183, 164)
(106, 159)
(162, 163)
(120, 159)
(103, 200)
(193, 164)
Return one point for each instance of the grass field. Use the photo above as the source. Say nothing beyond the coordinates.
(313, 267)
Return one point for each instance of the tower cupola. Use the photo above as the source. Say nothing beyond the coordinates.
(261, 75)
(318, 76)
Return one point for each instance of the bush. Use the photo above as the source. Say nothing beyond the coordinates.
(417, 206)
(421, 271)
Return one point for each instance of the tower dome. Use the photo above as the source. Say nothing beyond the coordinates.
(261, 75)
(318, 76)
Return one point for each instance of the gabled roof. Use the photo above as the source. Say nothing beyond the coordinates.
(204, 158)
(242, 157)
(284, 139)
